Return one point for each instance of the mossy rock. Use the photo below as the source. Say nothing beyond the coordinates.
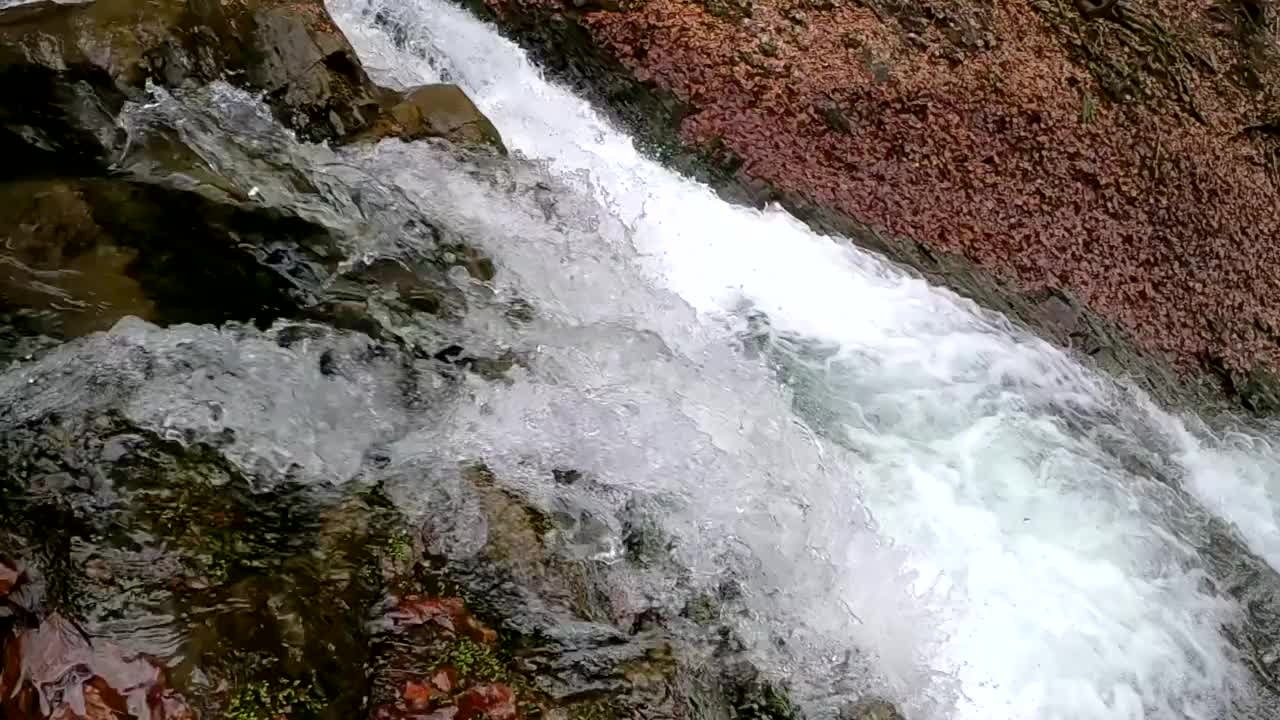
(264, 590)
(871, 709)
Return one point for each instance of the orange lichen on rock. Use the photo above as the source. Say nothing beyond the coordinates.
(976, 128)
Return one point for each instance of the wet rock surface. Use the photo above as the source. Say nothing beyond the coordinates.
(83, 253)
(70, 67)
(439, 110)
(62, 58)
(156, 560)
(105, 219)
(1023, 154)
(158, 563)
(158, 575)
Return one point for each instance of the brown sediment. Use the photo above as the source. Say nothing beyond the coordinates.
(1129, 160)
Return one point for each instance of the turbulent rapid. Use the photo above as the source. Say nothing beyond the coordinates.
(1027, 558)
(911, 496)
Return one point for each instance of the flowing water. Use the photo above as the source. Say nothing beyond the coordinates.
(916, 498)
(1041, 560)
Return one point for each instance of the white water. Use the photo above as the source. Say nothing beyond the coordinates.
(983, 520)
(1037, 570)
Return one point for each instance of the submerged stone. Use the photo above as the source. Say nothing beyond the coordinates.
(82, 253)
(55, 670)
(871, 709)
(439, 110)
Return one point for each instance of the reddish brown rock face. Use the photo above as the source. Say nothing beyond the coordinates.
(977, 128)
(438, 662)
(495, 702)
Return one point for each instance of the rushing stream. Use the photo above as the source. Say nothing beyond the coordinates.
(1025, 543)
(916, 498)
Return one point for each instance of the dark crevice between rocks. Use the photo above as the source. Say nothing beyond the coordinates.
(56, 122)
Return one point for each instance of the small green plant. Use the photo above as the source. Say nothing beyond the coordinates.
(400, 547)
(1088, 108)
(218, 569)
(471, 659)
(593, 710)
(268, 700)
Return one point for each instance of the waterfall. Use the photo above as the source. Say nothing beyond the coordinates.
(909, 495)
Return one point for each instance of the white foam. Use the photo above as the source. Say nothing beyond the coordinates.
(1016, 554)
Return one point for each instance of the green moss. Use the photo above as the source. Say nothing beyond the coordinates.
(1088, 108)
(762, 700)
(389, 549)
(730, 9)
(268, 700)
(593, 710)
(703, 609)
(399, 547)
(475, 661)
(770, 704)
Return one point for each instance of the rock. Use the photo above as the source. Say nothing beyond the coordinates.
(171, 556)
(308, 70)
(493, 701)
(62, 268)
(265, 585)
(754, 697)
(163, 236)
(568, 644)
(56, 671)
(439, 110)
(82, 253)
(642, 536)
(70, 67)
(871, 709)
(1258, 389)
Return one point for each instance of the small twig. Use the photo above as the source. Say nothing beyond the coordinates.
(1155, 162)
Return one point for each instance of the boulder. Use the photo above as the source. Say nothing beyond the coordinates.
(81, 253)
(871, 709)
(439, 110)
(68, 69)
(74, 64)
